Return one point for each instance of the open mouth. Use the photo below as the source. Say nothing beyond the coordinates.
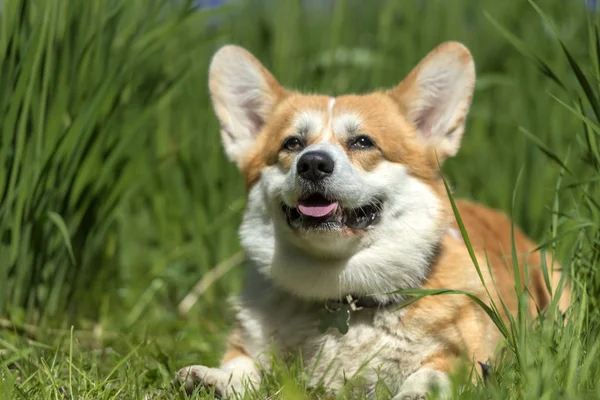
(315, 212)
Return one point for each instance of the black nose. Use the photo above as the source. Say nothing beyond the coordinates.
(315, 165)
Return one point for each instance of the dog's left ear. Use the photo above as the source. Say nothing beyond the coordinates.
(436, 96)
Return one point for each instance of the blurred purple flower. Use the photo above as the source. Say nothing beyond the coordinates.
(208, 3)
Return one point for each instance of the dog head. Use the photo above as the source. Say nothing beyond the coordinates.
(344, 194)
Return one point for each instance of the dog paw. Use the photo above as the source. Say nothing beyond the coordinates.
(422, 382)
(210, 378)
(410, 396)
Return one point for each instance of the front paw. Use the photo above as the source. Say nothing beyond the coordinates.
(410, 396)
(210, 378)
(423, 382)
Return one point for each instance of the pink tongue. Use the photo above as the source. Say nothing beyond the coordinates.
(317, 211)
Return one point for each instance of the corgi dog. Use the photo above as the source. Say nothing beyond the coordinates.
(346, 207)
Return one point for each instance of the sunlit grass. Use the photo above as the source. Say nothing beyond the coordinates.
(116, 198)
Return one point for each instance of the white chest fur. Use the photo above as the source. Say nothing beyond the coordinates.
(378, 345)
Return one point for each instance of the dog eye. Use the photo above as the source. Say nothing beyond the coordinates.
(292, 144)
(361, 142)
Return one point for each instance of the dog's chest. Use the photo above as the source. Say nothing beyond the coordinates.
(378, 344)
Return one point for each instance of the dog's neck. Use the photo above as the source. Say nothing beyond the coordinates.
(388, 299)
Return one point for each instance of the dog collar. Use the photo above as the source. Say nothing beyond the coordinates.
(358, 302)
(337, 312)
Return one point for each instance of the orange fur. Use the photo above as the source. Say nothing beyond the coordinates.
(235, 347)
(233, 352)
(456, 318)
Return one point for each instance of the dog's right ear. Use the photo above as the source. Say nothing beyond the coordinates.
(243, 94)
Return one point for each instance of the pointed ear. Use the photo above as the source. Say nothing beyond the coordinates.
(436, 96)
(243, 94)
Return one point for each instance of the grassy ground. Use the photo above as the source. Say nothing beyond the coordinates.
(116, 199)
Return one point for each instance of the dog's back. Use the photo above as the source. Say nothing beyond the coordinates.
(492, 233)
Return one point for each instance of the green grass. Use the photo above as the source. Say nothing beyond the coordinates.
(116, 198)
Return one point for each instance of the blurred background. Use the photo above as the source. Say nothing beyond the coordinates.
(116, 200)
